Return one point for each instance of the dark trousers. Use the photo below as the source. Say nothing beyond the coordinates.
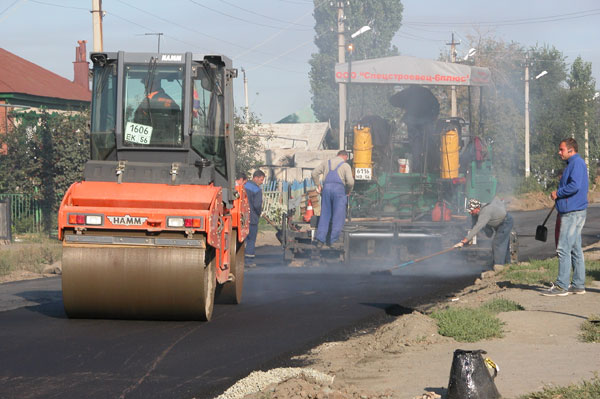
(501, 242)
(251, 239)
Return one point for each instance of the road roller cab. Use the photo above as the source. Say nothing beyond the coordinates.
(156, 228)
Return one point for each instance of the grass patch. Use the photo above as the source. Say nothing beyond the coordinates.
(501, 305)
(534, 272)
(585, 390)
(30, 255)
(545, 272)
(468, 325)
(472, 325)
(590, 330)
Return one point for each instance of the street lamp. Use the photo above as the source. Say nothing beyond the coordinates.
(359, 32)
(350, 48)
(471, 53)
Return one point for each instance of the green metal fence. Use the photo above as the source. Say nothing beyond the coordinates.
(25, 213)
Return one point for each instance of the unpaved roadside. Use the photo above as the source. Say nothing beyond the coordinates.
(407, 358)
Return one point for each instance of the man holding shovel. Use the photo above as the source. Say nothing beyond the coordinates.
(492, 217)
(571, 203)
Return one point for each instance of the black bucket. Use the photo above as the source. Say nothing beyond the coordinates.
(469, 377)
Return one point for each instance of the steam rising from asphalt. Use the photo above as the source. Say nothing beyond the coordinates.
(453, 264)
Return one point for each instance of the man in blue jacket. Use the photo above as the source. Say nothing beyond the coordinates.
(571, 204)
(255, 200)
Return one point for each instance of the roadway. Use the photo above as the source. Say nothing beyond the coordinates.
(284, 312)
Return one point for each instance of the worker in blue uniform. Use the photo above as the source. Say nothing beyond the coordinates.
(334, 196)
(255, 199)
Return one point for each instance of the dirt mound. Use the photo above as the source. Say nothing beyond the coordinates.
(414, 330)
(409, 330)
(539, 200)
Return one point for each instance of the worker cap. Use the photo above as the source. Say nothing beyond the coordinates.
(473, 204)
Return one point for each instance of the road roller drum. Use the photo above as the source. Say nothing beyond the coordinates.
(137, 282)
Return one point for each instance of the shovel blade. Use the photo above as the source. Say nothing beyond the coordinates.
(541, 233)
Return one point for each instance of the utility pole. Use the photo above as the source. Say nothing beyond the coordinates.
(452, 44)
(97, 15)
(527, 168)
(586, 133)
(246, 108)
(341, 60)
(157, 34)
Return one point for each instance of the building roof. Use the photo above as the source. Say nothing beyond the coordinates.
(300, 136)
(305, 115)
(19, 76)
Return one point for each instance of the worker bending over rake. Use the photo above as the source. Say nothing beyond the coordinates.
(494, 218)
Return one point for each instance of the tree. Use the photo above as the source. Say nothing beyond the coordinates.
(505, 107)
(384, 17)
(582, 87)
(45, 154)
(548, 124)
(19, 173)
(247, 136)
(500, 120)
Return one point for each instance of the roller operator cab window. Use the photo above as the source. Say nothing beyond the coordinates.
(104, 111)
(208, 127)
(153, 105)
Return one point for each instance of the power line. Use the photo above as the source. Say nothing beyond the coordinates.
(188, 44)
(521, 21)
(115, 15)
(281, 55)
(182, 26)
(444, 30)
(193, 30)
(265, 65)
(411, 36)
(240, 19)
(296, 2)
(262, 15)
(59, 5)
(191, 45)
(9, 7)
(280, 31)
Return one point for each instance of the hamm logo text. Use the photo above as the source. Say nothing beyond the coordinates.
(127, 220)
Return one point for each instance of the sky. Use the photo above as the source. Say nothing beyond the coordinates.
(272, 40)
